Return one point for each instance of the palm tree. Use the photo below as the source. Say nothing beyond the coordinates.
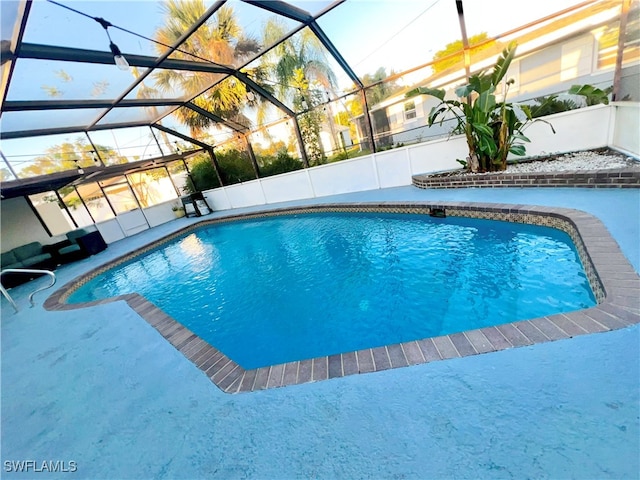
(220, 40)
(302, 75)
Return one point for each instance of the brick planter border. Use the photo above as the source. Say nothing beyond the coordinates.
(614, 178)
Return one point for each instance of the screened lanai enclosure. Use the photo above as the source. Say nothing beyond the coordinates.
(112, 111)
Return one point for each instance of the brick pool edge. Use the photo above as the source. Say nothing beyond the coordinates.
(613, 280)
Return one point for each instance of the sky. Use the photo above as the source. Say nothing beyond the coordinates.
(395, 34)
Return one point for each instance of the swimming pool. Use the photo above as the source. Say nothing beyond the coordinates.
(284, 289)
(612, 278)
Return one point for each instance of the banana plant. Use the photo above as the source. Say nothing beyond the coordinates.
(492, 129)
(592, 95)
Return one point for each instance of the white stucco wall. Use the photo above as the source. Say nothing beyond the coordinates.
(625, 133)
(20, 225)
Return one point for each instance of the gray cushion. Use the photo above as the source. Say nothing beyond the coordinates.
(13, 265)
(69, 249)
(9, 258)
(36, 259)
(76, 233)
(28, 251)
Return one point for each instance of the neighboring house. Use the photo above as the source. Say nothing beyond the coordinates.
(578, 48)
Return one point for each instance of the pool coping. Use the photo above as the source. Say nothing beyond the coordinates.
(615, 283)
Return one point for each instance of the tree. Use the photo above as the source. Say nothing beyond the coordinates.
(5, 175)
(441, 58)
(303, 75)
(282, 163)
(220, 40)
(382, 90)
(67, 156)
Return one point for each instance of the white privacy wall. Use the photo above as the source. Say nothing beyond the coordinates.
(289, 186)
(348, 176)
(580, 129)
(626, 128)
(598, 126)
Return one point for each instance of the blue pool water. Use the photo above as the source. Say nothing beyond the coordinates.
(289, 288)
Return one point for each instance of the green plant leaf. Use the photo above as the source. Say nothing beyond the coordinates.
(464, 91)
(486, 102)
(527, 111)
(483, 129)
(502, 65)
(591, 94)
(487, 145)
(436, 112)
(434, 92)
(519, 136)
(519, 150)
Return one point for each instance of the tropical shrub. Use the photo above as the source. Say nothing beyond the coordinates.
(592, 95)
(235, 166)
(551, 104)
(203, 175)
(282, 163)
(492, 129)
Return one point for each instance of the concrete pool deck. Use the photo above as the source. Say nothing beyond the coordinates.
(101, 388)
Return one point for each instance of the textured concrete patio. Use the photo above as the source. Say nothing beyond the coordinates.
(102, 388)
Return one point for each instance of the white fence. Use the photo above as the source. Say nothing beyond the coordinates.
(614, 125)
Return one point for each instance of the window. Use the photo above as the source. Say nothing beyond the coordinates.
(577, 58)
(410, 110)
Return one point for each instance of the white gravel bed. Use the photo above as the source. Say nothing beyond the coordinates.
(581, 161)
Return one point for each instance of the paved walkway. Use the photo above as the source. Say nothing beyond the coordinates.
(102, 388)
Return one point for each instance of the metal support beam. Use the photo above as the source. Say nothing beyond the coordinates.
(30, 105)
(95, 149)
(259, 89)
(216, 166)
(335, 53)
(157, 142)
(281, 8)
(77, 129)
(13, 172)
(303, 151)
(69, 54)
(368, 123)
(252, 156)
(180, 135)
(66, 209)
(465, 40)
(196, 25)
(235, 126)
(75, 187)
(175, 187)
(7, 73)
(104, 195)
